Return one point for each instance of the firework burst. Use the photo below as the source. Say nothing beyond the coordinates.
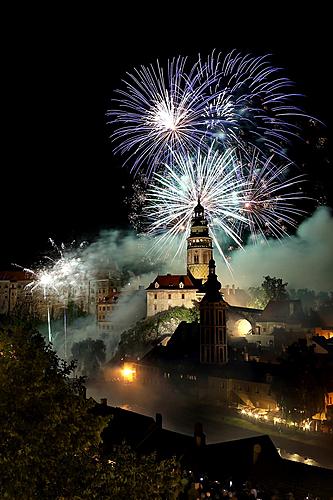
(235, 99)
(173, 194)
(253, 103)
(240, 198)
(161, 110)
(268, 198)
(63, 273)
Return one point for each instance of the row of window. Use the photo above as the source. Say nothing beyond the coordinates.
(212, 354)
(169, 296)
(104, 308)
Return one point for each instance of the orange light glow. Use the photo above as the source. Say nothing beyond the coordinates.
(128, 372)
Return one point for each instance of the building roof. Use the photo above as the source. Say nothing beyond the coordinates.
(16, 276)
(172, 281)
(287, 311)
(239, 459)
(124, 425)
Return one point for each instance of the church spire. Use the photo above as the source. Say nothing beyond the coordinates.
(212, 286)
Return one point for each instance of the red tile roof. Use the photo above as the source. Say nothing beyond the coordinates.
(172, 281)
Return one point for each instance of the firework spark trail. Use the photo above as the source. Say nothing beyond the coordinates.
(161, 110)
(43, 280)
(269, 200)
(237, 99)
(173, 196)
(63, 273)
(240, 195)
(254, 104)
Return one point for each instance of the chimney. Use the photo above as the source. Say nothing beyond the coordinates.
(158, 420)
(104, 401)
(199, 436)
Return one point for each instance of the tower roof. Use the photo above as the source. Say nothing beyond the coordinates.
(212, 286)
(199, 222)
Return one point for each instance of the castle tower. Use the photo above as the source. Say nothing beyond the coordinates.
(213, 329)
(199, 246)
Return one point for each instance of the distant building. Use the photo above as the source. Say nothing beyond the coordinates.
(105, 308)
(13, 291)
(281, 314)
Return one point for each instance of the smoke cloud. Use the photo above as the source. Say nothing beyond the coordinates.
(304, 260)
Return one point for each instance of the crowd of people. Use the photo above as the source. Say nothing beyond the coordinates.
(215, 490)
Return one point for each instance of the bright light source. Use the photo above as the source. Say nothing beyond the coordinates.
(128, 372)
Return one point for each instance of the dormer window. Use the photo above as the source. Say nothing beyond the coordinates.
(156, 284)
(181, 285)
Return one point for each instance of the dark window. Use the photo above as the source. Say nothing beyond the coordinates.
(183, 295)
(169, 296)
(155, 296)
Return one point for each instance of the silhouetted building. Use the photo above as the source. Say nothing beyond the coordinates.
(213, 326)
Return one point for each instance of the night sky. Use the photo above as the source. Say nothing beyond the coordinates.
(59, 177)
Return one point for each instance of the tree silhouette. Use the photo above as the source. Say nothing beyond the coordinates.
(90, 355)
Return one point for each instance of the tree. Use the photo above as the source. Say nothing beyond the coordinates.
(49, 438)
(90, 355)
(147, 332)
(274, 288)
(258, 298)
(132, 476)
(270, 289)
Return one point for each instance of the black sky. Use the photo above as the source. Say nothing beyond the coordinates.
(59, 177)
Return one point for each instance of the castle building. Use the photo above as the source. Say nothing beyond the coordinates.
(171, 290)
(213, 324)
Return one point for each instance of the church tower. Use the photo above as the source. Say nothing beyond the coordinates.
(199, 245)
(213, 328)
